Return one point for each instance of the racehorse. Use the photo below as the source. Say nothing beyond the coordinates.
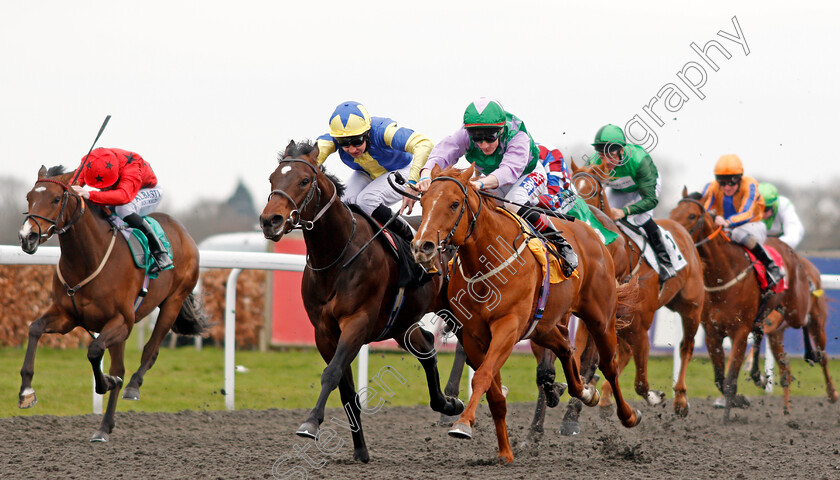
(735, 302)
(105, 287)
(683, 294)
(492, 319)
(350, 285)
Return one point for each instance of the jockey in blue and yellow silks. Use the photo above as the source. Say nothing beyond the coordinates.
(373, 147)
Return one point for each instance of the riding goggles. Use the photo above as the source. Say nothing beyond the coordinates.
(354, 141)
(725, 180)
(486, 135)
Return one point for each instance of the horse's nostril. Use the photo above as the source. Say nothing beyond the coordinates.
(427, 248)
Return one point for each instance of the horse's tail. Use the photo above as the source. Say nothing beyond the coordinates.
(192, 319)
(627, 303)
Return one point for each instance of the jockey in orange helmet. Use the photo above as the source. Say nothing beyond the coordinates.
(739, 208)
(126, 182)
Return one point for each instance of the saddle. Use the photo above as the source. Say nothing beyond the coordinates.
(761, 271)
(637, 235)
(410, 273)
(138, 244)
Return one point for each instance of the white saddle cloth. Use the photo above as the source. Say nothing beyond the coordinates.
(677, 259)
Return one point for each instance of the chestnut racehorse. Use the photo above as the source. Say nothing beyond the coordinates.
(495, 309)
(105, 288)
(735, 303)
(349, 286)
(683, 294)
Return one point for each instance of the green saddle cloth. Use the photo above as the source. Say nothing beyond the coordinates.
(581, 211)
(139, 246)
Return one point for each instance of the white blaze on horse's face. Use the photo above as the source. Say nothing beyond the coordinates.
(285, 169)
(25, 229)
(39, 189)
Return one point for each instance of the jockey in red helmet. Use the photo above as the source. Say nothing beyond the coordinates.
(127, 183)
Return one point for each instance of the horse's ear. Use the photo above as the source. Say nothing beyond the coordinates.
(573, 165)
(436, 171)
(469, 172)
(289, 148)
(42, 172)
(685, 191)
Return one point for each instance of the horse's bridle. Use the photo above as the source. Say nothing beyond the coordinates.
(54, 223)
(699, 222)
(597, 182)
(443, 243)
(295, 219)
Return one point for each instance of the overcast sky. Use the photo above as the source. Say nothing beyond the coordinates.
(208, 91)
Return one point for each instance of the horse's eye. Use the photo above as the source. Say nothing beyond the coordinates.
(56, 200)
(454, 205)
(692, 216)
(305, 182)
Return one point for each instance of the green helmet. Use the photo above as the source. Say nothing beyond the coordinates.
(770, 194)
(486, 113)
(610, 134)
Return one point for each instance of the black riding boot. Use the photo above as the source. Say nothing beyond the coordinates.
(666, 269)
(774, 274)
(159, 253)
(543, 225)
(399, 226)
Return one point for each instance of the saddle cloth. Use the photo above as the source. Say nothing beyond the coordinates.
(761, 270)
(677, 259)
(138, 244)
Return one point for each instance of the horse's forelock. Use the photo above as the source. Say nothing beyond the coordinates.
(297, 149)
(56, 171)
(694, 195)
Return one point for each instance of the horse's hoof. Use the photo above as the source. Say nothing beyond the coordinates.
(131, 393)
(638, 419)
(504, 459)
(448, 420)
(606, 411)
(99, 437)
(553, 392)
(681, 410)
(308, 430)
(741, 401)
(719, 402)
(655, 397)
(461, 430)
(832, 397)
(28, 400)
(569, 428)
(785, 411)
(454, 408)
(595, 396)
(361, 455)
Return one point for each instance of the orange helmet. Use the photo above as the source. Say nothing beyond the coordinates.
(729, 164)
(102, 168)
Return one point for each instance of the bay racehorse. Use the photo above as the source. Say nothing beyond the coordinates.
(495, 309)
(683, 294)
(350, 286)
(735, 302)
(96, 287)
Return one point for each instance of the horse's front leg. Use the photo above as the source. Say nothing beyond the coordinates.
(785, 378)
(453, 386)
(52, 321)
(338, 353)
(115, 331)
(117, 370)
(423, 342)
(730, 383)
(352, 407)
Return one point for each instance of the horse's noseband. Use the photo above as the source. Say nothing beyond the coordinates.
(54, 223)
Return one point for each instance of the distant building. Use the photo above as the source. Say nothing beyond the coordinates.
(241, 201)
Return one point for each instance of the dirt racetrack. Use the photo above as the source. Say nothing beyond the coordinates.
(407, 443)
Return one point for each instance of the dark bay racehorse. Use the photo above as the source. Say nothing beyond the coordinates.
(96, 285)
(349, 287)
(495, 302)
(735, 303)
(683, 294)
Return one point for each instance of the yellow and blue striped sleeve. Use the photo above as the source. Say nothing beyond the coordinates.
(326, 147)
(407, 140)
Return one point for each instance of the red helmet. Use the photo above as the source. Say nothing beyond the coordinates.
(102, 168)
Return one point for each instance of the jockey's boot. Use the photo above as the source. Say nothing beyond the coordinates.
(541, 222)
(666, 269)
(399, 226)
(774, 274)
(159, 253)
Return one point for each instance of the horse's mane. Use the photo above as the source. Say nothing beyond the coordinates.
(303, 148)
(694, 196)
(56, 171)
(455, 172)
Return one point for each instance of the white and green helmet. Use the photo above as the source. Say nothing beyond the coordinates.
(484, 113)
